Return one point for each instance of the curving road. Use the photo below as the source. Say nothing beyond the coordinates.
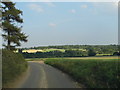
(45, 76)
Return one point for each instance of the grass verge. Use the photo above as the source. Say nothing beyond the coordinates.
(102, 73)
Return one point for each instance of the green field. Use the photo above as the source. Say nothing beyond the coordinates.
(62, 50)
(48, 50)
(91, 73)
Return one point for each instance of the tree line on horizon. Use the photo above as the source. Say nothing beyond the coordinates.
(74, 51)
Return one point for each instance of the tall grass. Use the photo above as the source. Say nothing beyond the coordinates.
(13, 65)
(91, 73)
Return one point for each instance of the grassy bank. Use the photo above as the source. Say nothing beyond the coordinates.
(13, 64)
(102, 73)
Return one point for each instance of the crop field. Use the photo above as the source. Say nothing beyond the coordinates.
(33, 50)
(52, 49)
(41, 50)
(47, 50)
(91, 73)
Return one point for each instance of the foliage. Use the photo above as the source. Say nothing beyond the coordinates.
(101, 49)
(56, 53)
(76, 50)
(91, 52)
(11, 22)
(116, 54)
(91, 73)
(13, 64)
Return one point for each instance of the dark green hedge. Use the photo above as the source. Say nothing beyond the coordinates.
(13, 64)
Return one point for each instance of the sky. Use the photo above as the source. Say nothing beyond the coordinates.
(69, 23)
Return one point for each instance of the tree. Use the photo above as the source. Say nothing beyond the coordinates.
(11, 24)
(91, 52)
(116, 54)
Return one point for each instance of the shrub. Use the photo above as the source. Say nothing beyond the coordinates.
(13, 64)
(91, 52)
(116, 54)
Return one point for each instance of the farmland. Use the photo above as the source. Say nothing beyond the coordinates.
(91, 73)
(70, 51)
(91, 66)
(46, 50)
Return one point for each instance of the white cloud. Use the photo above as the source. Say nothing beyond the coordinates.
(35, 7)
(73, 11)
(84, 6)
(50, 4)
(52, 24)
(115, 4)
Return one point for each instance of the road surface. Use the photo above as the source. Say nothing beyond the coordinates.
(45, 76)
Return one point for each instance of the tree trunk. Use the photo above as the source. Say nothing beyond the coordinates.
(8, 43)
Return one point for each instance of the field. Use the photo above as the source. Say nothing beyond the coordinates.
(46, 50)
(33, 50)
(91, 73)
(103, 54)
(42, 50)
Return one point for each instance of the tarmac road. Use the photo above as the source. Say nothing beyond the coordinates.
(45, 76)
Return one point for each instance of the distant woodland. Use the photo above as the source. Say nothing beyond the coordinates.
(72, 51)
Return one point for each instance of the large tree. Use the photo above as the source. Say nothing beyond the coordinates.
(12, 25)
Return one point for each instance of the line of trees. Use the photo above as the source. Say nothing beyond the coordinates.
(100, 49)
(56, 53)
(88, 50)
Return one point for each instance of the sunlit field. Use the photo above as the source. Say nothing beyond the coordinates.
(47, 50)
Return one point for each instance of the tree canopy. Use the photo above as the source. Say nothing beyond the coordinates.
(12, 26)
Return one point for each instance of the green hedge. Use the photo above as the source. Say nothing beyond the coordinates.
(90, 73)
(13, 64)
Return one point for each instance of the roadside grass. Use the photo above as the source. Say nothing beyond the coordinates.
(95, 57)
(13, 64)
(36, 59)
(92, 73)
(75, 58)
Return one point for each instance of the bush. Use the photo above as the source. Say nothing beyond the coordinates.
(116, 54)
(91, 52)
(13, 64)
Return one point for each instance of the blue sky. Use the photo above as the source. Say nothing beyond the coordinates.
(68, 23)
